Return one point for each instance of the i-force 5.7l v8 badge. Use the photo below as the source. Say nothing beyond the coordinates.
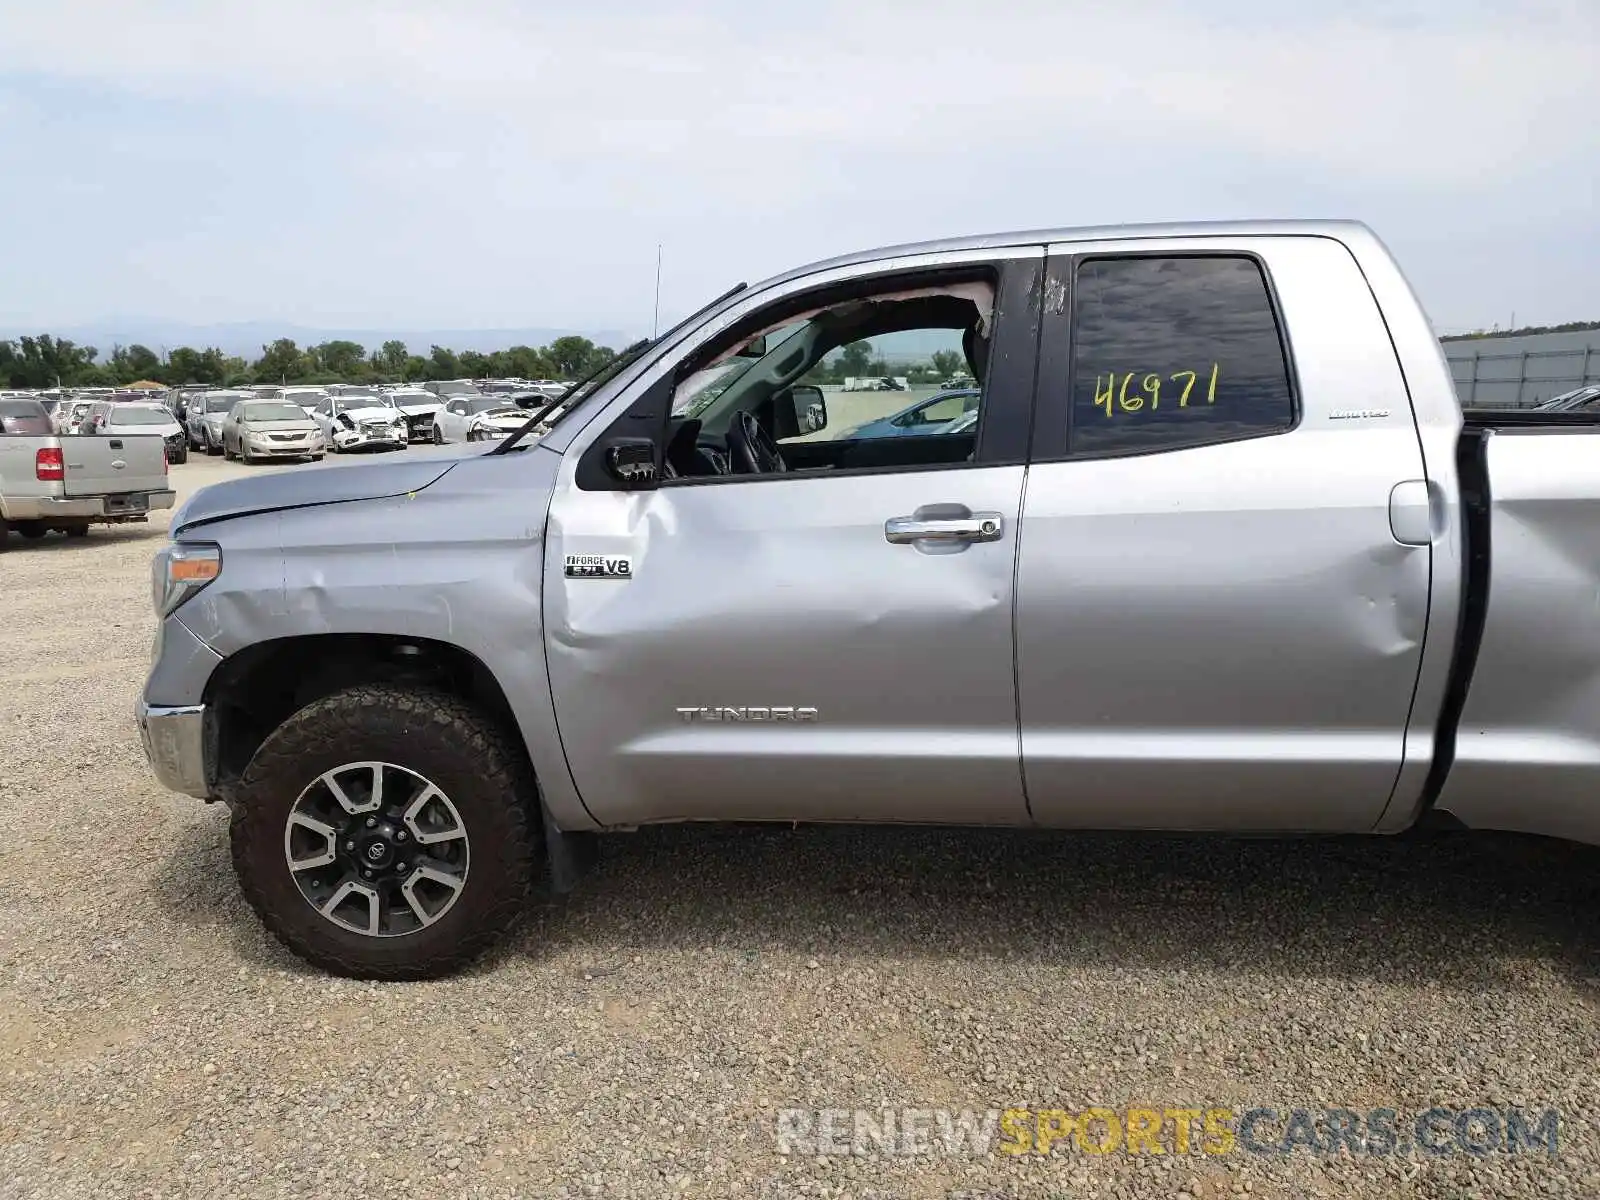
(599, 566)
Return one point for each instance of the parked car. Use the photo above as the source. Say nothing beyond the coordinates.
(50, 482)
(258, 429)
(446, 388)
(477, 419)
(420, 407)
(922, 418)
(306, 397)
(521, 646)
(69, 415)
(207, 411)
(352, 423)
(139, 417)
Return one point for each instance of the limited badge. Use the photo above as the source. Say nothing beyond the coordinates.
(599, 566)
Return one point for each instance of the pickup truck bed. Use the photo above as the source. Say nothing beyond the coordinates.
(68, 483)
(1524, 699)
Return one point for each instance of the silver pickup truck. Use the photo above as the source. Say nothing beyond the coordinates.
(1219, 553)
(69, 483)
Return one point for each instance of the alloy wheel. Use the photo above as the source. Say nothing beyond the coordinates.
(377, 849)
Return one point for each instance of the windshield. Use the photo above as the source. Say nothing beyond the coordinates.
(483, 404)
(277, 411)
(23, 417)
(221, 402)
(455, 388)
(140, 416)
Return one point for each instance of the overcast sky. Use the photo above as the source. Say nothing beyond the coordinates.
(486, 163)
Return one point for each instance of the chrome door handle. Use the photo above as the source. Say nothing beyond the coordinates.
(979, 527)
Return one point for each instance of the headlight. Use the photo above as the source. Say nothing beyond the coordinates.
(180, 570)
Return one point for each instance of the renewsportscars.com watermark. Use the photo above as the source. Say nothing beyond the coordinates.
(1379, 1132)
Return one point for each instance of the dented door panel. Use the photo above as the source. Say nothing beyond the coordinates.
(827, 673)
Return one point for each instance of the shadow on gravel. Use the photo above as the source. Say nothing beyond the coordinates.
(1464, 910)
(60, 543)
(1458, 909)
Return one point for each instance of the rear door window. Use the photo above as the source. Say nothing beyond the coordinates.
(1175, 351)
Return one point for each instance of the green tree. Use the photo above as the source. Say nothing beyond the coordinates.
(391, 359)
(39, 362)
(855, 359)
(279, 361)
(572, 356)
(947, 363)
(344, 359)
(475, 365)
(416, 368)
(443, 363)
(187, 365)
(527, 363)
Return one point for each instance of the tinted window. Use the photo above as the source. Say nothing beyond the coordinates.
(26, 417)
(140, 416)
(1174, 352)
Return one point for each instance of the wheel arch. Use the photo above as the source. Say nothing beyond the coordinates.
(255, 690)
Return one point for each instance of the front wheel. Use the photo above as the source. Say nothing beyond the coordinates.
(211, 447)
(438, 435)
(387, 832)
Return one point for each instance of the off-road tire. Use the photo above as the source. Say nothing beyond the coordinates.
(442, 738)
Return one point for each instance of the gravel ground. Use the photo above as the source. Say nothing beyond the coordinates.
(640, 1038)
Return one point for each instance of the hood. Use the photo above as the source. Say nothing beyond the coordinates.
(372, 412)
(310, 487)
(514, 419)
(416, 408)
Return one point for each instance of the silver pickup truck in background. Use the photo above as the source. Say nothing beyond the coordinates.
(68, 483)
(1219, 553)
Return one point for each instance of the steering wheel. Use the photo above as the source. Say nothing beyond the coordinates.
(752, 448)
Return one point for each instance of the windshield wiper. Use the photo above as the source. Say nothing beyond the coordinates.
(609, 369)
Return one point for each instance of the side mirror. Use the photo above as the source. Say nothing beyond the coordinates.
(756, 347)
(803, 410)
(632, 461)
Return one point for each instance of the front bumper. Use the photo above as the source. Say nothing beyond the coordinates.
(419, 427)
(301, 449)
(174, 742)
(363, 439)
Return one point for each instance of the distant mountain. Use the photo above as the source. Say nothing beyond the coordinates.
(245, 338)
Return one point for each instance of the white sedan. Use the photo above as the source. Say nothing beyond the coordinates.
(477, 419)
(360, 423)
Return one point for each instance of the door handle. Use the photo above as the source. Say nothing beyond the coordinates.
(976, 527)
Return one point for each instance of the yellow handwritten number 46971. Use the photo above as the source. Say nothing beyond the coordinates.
(1113, 398)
